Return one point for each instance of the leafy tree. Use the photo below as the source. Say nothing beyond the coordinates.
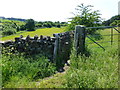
(111, 20)
(57, 24)
(85, 16)
(38, 25)
(8, 31)
(22, 27)
(64, 23)
(30, 25)
(115, 23)
(49, 24)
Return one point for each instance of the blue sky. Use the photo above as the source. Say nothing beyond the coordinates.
(54, 10)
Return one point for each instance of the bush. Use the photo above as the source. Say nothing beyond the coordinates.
(20, 66)
(8, 31)
(22, 27)
(38, 25)
(58, 26)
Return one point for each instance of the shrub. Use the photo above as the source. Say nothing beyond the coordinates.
(58, 26)
(9, 31)
(22, 27)
(20, 66)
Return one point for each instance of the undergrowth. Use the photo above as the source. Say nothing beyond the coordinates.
(100, 70)
(18, 71)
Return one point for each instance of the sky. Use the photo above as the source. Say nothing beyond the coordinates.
(54, 10)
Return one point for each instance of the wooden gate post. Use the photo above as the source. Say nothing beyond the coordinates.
(56, 48)
(79, 39)
(57, 53)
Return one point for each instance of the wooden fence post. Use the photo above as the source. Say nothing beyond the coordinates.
(79, 39)
(56, 48)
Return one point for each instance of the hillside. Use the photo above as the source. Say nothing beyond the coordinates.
(42, 31)
(15, 26)
(17, 19)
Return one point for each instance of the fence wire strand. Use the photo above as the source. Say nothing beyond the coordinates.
(101, 42)
(98, 42)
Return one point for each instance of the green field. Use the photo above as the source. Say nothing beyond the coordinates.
(43, 31)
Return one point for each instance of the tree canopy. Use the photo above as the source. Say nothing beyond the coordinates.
(85, 16)
(112, 20)
(30, 25)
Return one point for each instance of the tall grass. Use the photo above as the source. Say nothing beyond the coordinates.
(0, 70)
(99, 70)
(18, 71)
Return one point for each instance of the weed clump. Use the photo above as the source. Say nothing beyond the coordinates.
(20, 67)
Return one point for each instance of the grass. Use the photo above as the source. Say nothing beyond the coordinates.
(100, 69)
(43, 31)
(97, 71)
(18, 70)
(56, 81)
(104, 39)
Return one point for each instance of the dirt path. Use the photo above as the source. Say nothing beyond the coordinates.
(53, 81)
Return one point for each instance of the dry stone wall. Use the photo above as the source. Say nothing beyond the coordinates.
(44, 45)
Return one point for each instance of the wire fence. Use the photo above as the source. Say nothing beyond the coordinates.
(111, 37)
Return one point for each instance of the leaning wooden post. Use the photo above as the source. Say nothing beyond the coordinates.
(56, 48)
(79, 39)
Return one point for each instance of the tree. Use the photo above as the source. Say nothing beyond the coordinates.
(58, 24)
(30, 25)
(64, 23)
(111, 20)
(85, 16)
(115, 23)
